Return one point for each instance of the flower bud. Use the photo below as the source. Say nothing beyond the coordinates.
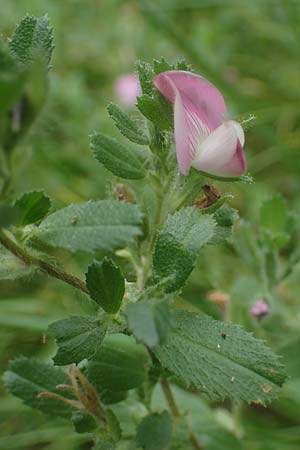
(260, 309)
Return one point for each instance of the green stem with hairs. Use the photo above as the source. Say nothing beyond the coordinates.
(44, 266)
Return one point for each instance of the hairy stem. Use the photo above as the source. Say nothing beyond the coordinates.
(43, 266)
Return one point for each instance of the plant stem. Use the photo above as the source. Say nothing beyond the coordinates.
(42, 265)
(169, 397)
(194, 440)
(175, 411)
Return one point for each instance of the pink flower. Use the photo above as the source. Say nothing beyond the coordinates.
(127, 88)
(260, 309)
(205, 139)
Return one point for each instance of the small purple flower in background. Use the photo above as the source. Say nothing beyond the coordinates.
(205, 139)
(128, 88)
(260, 309)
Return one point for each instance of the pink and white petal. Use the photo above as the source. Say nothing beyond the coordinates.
(239, 131)
(189, 131)
(238, 164)
(221, 153)
(217, 149)
(202, 96)
(184, 151)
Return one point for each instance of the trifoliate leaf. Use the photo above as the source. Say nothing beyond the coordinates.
(155, 432)
(106, 285)
(78, 337)
(220, 359)
(33, 207)
(101, 225)
(119, 365)
(122, 161)
(149, 321)
(178, 245)
(128, 127)
(32, 39)
(26, 378)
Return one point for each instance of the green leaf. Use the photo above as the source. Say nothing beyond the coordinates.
(83, 422)
(128, 127)
(32, 39)
(149, 322)
(225, 218)
(33, 207)
(110, 398)
(182, 65)
(154, 111)
(161, 65)
(78, 337)
(122, 161)
(31, 48)
(106, 285)
(155, 432)
(119, 365)
(101, 225)
(178, 245)
(26, 378)
(220, 359)
(12, 268)
(274, 214)
(145, 74)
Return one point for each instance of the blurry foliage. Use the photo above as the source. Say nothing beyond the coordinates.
(251, 51)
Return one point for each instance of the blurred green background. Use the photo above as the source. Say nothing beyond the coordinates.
(251, 51)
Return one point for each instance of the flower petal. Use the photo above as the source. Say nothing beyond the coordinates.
(238, 164)
(239, 131)
(199, 94)
(189, 130)
(221, 153)
(184, 152)
(189, 133)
